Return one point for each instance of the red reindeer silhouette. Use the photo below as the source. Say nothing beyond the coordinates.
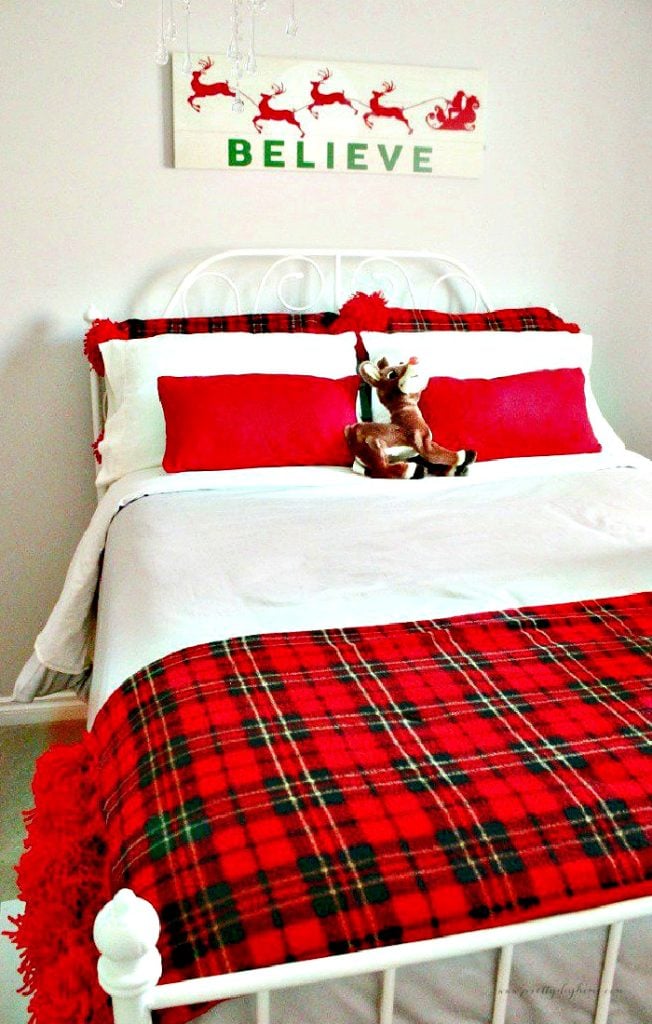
(201, 89)
(459, 114)
(379, 111)
(325, 99)
(267, 113)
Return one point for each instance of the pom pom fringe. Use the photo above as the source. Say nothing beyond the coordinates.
(99, 331)
(96, 447)
(63, 879)
(362, 312)
(365, 312)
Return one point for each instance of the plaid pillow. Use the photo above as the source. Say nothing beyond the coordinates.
(533, 318)
(365, 312)
(251, 323)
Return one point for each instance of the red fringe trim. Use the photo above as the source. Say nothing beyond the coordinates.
(63, 880)
(96, 447)
(99, 331)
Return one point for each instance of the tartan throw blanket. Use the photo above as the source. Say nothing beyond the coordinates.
(292, 796)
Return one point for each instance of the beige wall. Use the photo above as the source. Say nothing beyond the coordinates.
(92, 211)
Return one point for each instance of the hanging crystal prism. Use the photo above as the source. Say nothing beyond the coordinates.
(234, 52)
(171, 25)
(292, 25)
(250, 60)
(187, 60)
(242, 61)
(162, 53)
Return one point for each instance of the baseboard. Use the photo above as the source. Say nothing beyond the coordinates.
(53, 707)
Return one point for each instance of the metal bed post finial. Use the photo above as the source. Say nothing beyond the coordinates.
(126, 932)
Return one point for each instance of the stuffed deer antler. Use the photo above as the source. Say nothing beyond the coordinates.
(383, 449)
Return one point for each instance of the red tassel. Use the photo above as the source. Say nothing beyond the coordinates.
(63, 880)
(362, 312)
(99, 331)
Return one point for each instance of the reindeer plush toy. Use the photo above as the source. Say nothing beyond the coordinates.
(404, 447)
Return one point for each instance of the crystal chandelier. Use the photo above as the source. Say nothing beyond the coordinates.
(242, 47)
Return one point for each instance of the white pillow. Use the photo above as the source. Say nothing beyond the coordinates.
(488, 354)
(134, 434)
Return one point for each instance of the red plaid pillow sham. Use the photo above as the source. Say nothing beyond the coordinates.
(362, 312)
(365, 312)
(251, 323)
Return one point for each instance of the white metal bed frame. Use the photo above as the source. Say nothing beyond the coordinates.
(127, 928)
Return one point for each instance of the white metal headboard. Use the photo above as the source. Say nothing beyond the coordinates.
(325, 278)
(306, 280)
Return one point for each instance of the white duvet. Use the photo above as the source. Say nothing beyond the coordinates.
(196, 557)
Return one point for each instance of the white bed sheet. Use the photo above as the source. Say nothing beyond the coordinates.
(513, 532)
(263, 551)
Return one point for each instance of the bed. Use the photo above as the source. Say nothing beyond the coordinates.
(346, 729)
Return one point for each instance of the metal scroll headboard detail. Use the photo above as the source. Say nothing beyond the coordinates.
(303, 280)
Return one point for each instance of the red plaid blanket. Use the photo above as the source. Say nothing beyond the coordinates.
(292, 796)
(285, 797)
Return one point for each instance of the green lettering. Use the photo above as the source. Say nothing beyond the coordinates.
(273, 153)
(390, 161)
(330, 155)
(301, 161)
(422, 158)
(355, 155)
(239, 153)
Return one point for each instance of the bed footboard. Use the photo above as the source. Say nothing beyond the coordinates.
(127, 929)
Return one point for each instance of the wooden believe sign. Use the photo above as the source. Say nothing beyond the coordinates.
(319, 116)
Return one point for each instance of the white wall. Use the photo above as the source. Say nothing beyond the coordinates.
(92, 210)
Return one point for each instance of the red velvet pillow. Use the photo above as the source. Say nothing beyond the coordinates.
(537, 413)
(249, 323)
(239, 421)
